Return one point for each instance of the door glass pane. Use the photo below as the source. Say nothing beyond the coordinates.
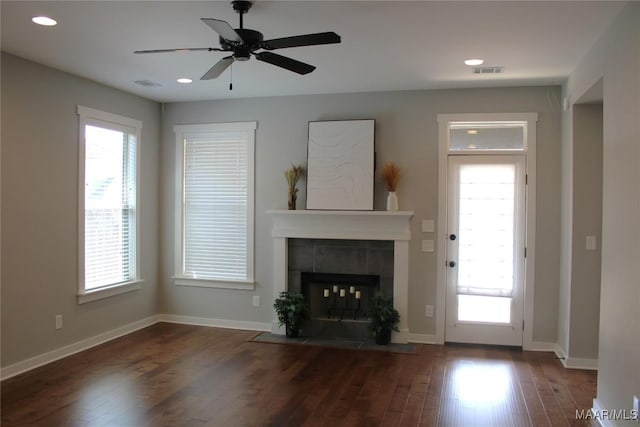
(486, 229)
(476, 136)
(473, 308)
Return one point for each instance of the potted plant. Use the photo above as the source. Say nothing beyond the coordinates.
(384, 318)
(292, 311)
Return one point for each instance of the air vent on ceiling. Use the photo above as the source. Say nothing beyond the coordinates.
(147, 83)
(488, 70)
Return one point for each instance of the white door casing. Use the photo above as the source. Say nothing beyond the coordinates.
(528, 122)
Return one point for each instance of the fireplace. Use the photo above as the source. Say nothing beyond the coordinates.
(316, 266)
(344, 228)
(338, 304)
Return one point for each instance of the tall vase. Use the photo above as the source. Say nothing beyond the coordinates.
(293, 196)
(392, 201)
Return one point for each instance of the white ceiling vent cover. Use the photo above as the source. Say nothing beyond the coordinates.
(488, 70)
(147, 83)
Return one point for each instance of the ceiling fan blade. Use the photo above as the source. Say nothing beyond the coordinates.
(304, 40)
(284, 62)
(181, 49)
(218, 68)
(223, 28)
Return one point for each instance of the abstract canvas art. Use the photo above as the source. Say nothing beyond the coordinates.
(340, 165)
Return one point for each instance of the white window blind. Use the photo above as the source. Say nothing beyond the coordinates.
(109, 232)
(216, 202)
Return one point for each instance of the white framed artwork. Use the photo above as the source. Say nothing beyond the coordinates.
(340, 165)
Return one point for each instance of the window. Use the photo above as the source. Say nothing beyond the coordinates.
(214, 205)
(487, 136)
(109, 241)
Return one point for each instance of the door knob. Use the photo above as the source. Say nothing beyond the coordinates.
(452, 237)
(452, 264)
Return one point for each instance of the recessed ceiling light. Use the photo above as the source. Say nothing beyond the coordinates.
(44, 20)
(184, 80)
(474, 61)
(472, 132)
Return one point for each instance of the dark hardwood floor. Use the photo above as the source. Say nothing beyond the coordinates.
(178, 375)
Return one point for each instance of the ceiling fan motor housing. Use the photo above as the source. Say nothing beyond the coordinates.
(242, 51)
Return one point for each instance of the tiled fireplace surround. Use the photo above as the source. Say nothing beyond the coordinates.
(364, 239)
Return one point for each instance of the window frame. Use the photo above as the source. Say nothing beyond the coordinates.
(93, 117)
(181, 132)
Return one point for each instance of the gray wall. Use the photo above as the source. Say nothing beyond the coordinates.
(40, 210)
(615, 58)
(587, 221)
(407, 133)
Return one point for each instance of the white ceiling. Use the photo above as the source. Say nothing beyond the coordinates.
(386, 45)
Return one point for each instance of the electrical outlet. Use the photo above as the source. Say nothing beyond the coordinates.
(256, 300)
(428, 311)
(58, 321)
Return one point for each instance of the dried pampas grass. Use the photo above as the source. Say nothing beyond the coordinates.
(391, 175)
(293, 175)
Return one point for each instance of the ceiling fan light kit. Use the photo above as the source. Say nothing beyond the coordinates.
(243, 42)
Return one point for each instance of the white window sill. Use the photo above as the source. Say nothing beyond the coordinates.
(248, 285)
(120, 288)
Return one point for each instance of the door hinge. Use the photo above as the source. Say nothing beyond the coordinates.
(523, 325)
(525, 252)
(526, 179)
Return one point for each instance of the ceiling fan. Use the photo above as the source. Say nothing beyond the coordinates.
(243, 43)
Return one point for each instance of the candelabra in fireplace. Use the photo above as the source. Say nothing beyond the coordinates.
(341, 303)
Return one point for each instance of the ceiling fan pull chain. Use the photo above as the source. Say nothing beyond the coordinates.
(231, 77)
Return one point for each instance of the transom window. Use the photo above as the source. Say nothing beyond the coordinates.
(487, 136)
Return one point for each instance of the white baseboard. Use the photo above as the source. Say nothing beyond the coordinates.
(218, 323)
(580, 363)
(541, 346)
(423, 338)
(51, 356)
(575, 362)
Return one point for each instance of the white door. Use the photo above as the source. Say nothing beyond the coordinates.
(485, 249)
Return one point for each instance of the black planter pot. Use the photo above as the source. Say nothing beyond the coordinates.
(383, 337)
(292, 331)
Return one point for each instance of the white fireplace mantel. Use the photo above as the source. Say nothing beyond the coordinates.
(349, 225)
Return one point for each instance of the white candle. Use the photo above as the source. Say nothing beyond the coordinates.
(352, 289)
(342, 292)
(326, 293)
(358, 294)
(335, 288)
